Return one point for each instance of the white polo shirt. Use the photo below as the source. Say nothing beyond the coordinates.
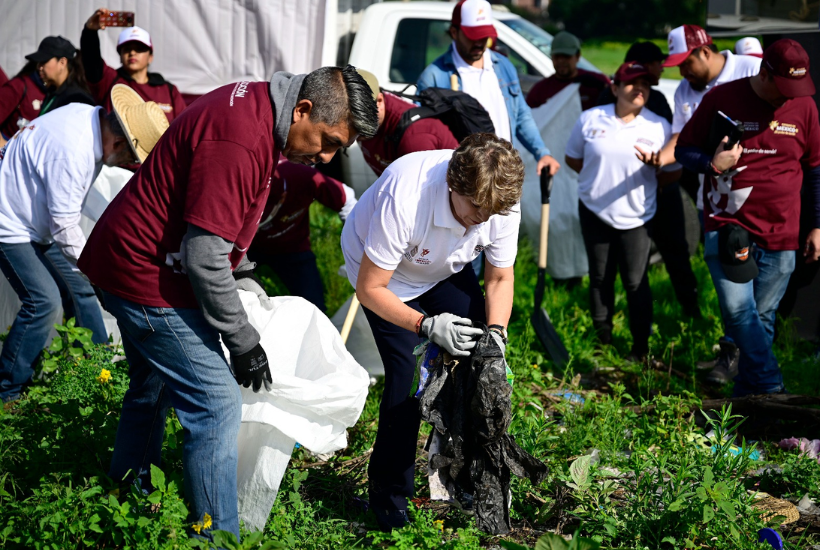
(614, 183)
(483, 85)
(45, 174)
(688, 99)
(404, 223)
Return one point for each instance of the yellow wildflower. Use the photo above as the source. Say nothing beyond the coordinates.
(104, 377)
(534, 366)
(206, 523)
(197, 527)
(439, 525)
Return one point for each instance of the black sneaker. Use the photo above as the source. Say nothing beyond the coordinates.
(390, 519)
(726, 364)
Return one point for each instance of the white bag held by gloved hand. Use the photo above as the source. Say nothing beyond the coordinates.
(318, 391)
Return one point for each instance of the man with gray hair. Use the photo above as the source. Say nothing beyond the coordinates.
(169, 255)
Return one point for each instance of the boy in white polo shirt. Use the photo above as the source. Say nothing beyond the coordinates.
(406, 245)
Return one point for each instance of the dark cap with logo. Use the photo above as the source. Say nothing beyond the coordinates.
(788, 63)
(735, 254)
(52, 46)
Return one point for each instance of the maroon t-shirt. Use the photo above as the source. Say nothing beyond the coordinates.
(592, 84)
(762, 193)
(285, 225)
(20, 97)
(3, 77)
(427, 134)
(211, 168)
(156, 89)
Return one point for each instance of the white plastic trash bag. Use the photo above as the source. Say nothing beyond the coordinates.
(318, 392)
(360, 341)
(566, 255)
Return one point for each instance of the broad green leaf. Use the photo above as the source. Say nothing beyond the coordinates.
(155, 497)
(70, 323)
(671, 540)
(675, 506)
(708, 513)
(224, 539)
(728, 508)
(708, 477)
(157, 478)
(579, 470)
(551, 542)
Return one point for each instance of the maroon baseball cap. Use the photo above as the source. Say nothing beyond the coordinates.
(632, 70)
(682, 40)
(475, 19)
(788, 63)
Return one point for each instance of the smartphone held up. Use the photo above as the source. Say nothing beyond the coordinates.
(117, 19)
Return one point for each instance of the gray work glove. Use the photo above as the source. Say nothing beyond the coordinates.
(455, 334)
(246, 280)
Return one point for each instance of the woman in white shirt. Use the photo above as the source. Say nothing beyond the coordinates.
(406, 244)
(615, 148)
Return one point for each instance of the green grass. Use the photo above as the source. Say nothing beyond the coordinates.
(657, 484)
(608, 55)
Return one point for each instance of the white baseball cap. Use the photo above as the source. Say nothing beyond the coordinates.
(682, 41)
(135, 34)
(475, 19)
(749, 46)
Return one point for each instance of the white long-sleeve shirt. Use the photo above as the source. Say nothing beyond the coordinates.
(46, 171)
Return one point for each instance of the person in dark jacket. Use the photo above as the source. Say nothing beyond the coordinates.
(20, 100)
(136, 53)
(61, 70)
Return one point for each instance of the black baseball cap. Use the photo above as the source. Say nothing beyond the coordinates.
(644, 52)
(52, 46)
(735, 254)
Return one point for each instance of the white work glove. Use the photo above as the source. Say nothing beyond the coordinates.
(455, 334)
(246, 280)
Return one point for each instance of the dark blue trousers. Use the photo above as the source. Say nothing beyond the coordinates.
(392, 463)
(298, 271)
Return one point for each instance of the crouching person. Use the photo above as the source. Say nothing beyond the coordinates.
(169, 255)
(405, 246)
(46, 170)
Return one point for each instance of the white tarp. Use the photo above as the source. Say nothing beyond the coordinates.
(199, 45)
(566, 255)
(105, 188)
(318, 391)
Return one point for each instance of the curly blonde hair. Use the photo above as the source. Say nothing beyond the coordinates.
(488, 170)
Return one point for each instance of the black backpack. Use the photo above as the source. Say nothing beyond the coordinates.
(461, 112)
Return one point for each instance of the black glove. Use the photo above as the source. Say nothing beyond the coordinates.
(252, 367)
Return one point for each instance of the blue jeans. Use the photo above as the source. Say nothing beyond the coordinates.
(748, 312)
(39, 274)
(175, 360)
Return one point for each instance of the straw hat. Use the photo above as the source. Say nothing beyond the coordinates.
(143, 121)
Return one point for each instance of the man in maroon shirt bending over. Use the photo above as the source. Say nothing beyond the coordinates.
(169, 255)
(427, 134)
(751, 199)
(283, 238)
(136, 53)
(565, 53)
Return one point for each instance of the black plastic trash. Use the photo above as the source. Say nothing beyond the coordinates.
(468, 403)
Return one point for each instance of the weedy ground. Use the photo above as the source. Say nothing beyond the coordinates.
(630, 466)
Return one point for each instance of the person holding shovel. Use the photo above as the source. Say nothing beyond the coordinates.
(406, 245)
(615, 150)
